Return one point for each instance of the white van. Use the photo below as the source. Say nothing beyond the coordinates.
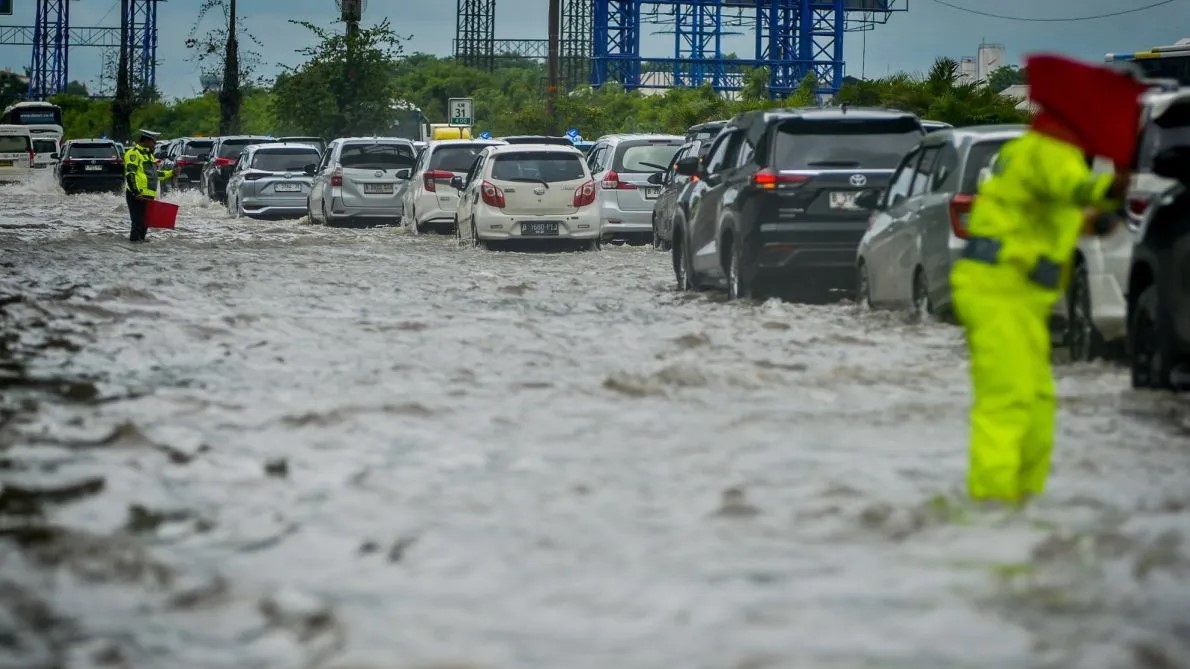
(45, 147)
(16, 152)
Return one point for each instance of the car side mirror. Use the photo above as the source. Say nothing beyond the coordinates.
(457, 183)
(1173, 163)
(403, 174)
(54, 156)
(869, 199)
(309, 170)
(657, 178)
(689, 166)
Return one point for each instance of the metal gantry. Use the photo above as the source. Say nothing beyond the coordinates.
(475, 33)
(51, 48)
(142, 45)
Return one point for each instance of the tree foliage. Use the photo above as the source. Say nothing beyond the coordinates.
(1003, 77)
(207, 45)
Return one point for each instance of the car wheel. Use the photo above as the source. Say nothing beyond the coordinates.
(1082, 338)
(458, 232)
(922, 308)
(863, 286)
(738, 288)
(683, 270)
(326, 217)
(1150, 337)
(593, 244)
(475, 240)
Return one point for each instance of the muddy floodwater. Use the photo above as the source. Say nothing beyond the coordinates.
(276, 445)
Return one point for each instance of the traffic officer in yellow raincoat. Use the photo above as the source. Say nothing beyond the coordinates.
(1023, 231)
(141, 180)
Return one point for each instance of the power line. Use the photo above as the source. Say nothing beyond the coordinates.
(1070, 18)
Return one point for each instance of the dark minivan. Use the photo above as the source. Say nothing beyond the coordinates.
(775, 207)
(223, 159)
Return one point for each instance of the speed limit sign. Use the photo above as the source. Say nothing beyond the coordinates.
(461, 112)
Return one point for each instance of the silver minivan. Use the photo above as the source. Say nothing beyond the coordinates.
(621, 166)
(359, 180)
(269, 180)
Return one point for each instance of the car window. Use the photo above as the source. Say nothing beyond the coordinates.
(671, 173)
(978, 157)
(284, 160)
(44, 146)
(645, 155)
(596, 157)
(92, 150)
(902, 179)
(232, 147)
(945, 169)
(718, 153)
(456, 158)
(1172, 129)
(14, 144)
(199, 149)
(537, 166)
(747, 150)
(378, 156)
(924, 172)
(805, 144)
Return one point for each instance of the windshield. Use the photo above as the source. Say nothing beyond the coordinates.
(35, 116)
(233, 147)
(44, 146)
(198, 149)
(647, 156)
(284, 160)
(547, 166)
(14, 144)
(376, 156)
(92, 151)
(874, 145)
(457, 158)
(1168, 67)
(979, 157)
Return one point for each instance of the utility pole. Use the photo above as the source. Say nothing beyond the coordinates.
(551, 89)
(229, 94)
(122, 103)
(352, 12)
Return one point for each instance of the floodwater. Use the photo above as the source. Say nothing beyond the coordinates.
(278, 445)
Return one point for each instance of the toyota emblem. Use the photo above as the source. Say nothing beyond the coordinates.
(378, 174)
(858, 179)
(540, 190)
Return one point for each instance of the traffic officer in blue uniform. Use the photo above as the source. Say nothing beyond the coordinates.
(141, 180)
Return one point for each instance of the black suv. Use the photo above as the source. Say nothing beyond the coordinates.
(704, 131)
(1159, 282)
(775, 206)
(186, 157)
(223, 158)
(90, 165)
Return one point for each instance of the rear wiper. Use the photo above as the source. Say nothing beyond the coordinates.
(833, 163)
(526, 180)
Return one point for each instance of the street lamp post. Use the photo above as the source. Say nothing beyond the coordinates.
(551, 89)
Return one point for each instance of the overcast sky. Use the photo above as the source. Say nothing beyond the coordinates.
(910, 41)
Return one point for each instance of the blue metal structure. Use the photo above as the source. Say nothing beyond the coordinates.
(51, 48)
(792, 39)
(142, 44)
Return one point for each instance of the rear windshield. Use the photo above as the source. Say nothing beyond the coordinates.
(376, 156)
(14, 144)
(93, 151)
(455, 158)
(834, 144)
(1171, 129)
(233, 147)
(537, 166)
(979, 157)
(534, 139)
(309, 141)
(646, 156)
(44, 146)
(705, 133)
(284, 160)
(198, 149)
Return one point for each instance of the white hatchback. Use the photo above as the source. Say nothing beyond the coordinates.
(528, 192)
(16, 153)
(429, 201)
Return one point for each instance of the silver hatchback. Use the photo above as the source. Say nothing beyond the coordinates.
(270, 180)
(359, 180)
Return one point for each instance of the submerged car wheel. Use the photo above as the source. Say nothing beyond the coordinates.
(475, 240)
(683, 271)
(737, 287)
(1151, 338)
(863, 286)
(922, 308)
(1082, 338)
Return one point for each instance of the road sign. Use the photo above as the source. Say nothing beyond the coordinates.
(461, 112)
(5, 7)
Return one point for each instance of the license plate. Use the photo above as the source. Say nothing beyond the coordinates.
(93, 168)
(288, 188)
(843, 200)
(539, 229)
(653, 192)
(378, 188)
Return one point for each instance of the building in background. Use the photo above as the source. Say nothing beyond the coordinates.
(991, 57)
(968, 70)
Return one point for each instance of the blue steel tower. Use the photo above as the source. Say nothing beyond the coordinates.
(51, 48)
(792, 39)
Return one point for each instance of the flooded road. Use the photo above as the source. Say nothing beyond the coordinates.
(278, 445)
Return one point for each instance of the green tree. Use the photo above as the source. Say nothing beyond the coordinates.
(345, 87)
(12, 88)
(76, 88)
(1003, 77)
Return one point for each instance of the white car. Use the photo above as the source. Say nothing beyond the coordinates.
(45, 147)
(527, 191)
(16, 153)
(429, 200)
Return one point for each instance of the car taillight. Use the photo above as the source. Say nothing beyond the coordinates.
(434, 175)
(960, 213)
(182, 162)
(585, 194)
(1137, 206)
(492, 196)
(32, 157)
(769, 179)
(253, 176)
(611, 181)
(224, 162)
(337, 177)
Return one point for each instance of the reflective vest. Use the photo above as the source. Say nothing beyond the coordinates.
(1035, 200)
(140, 172)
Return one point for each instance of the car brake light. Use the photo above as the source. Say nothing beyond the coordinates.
(32, 157)
(492, 196)
(337, 177)
(1137, 206)
(434, 175)
(585, 194)
(768, 179)
(960, 213)
(182, 162)
(253, 176)
(223, 162)
(611, 181)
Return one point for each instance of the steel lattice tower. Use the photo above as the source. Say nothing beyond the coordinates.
(51, 49)
(576, 42)
(792, 39)
(475, 33)
(142, 46)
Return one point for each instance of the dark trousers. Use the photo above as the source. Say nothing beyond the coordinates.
(136, 212)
